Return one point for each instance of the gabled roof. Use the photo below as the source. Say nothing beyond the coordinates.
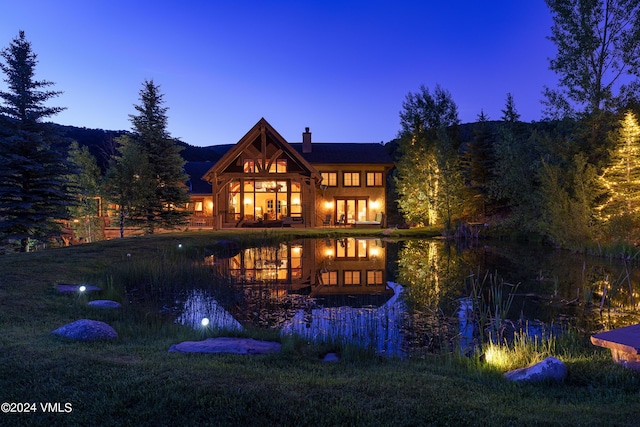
(262, 132)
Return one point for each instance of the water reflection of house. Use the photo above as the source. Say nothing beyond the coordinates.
(346, 271)
(264, 181)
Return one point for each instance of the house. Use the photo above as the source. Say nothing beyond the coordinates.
(265, 181)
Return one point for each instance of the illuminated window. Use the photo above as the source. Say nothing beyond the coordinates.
(330, 179)
(197, 206)
(351, 179)
(279, 166)
(374, 179)
(374, 277)
(351, 277)
(249, 166)
(330, 278)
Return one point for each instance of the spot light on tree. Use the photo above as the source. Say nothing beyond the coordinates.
(621, 178)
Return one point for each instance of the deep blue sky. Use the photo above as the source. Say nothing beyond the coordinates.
(342, 68)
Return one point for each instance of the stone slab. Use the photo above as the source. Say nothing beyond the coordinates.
(625, 339)
(624, 344)
(227, 345)
(104, 303)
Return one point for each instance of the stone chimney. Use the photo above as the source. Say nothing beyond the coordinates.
(306, 141)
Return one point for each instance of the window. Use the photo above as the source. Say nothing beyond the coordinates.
(330, 179)
(374, 277)
(330, 278)
(351, 179)
(374, 179)
(253, 166)
(351, 277)
(279, 166)
(195, 206)
(249, 166)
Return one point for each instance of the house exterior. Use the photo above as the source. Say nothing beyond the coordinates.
(265, 181)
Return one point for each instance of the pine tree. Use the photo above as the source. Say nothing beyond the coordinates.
(622, 177)
(167, 193)
(34, 193)
(478, 162)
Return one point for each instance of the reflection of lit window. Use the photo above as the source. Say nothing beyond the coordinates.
(351, 248)
(330, 278)
(374, 277)
(351, 277)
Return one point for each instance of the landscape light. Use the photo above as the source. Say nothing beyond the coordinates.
(82, 288)
(179, 245)
(204, 322)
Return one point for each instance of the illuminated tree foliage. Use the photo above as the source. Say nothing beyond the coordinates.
(621, 178)
(86, 223)
(427, 156)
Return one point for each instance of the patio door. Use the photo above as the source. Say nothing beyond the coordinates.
(352, 209)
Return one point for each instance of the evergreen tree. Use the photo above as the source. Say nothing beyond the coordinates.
(621, 179)
(34, 192)
(478, 161)
(510, 113)
(167, 193)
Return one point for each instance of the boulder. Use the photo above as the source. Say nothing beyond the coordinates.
(104, 303)
(87, 330)
(550, 369)
(227, 345)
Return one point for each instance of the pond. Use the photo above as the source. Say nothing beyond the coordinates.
(400, 297)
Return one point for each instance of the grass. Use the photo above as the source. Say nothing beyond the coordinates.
(135, 381)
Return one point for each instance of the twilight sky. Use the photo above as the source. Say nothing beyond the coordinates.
(342, 68)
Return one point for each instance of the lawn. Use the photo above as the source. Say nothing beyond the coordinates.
(134, 380)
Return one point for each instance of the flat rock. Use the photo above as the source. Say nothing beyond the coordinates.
(86, 330)
(331, 357)
(550, 369)
(227, 345)
(69, 288)
(104, 303)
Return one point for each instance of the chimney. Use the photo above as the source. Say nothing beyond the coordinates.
(306, 141)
